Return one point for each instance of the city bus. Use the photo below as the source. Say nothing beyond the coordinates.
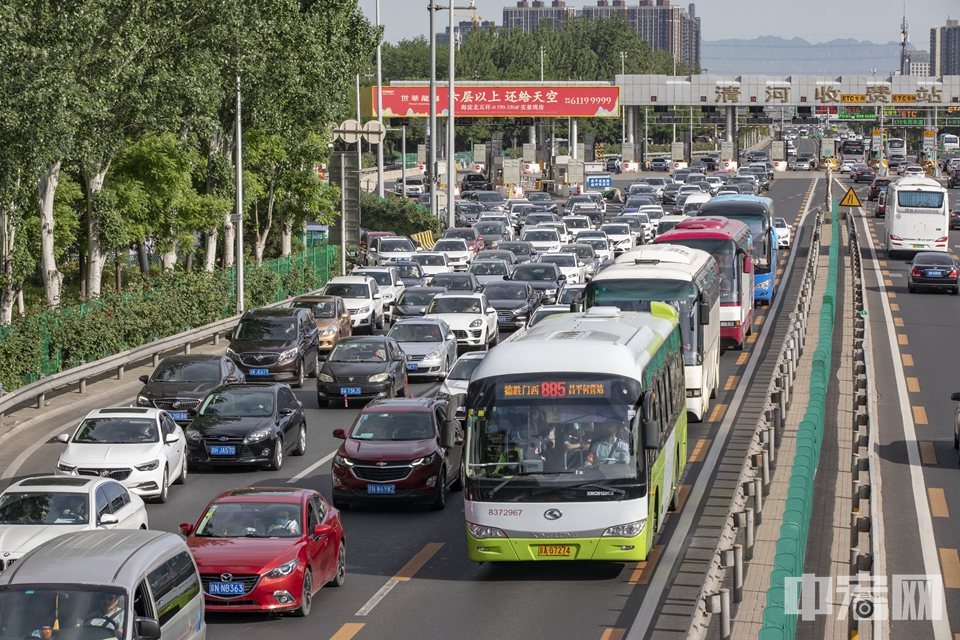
(576, 438)
(917, 216)
(687, 278)
(729, 242)
(949, 142)
(852, 150)
(757, 213)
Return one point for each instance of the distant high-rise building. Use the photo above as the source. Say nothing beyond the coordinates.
(463, 29)
(530, 14)
(945, 49)
(918, 63)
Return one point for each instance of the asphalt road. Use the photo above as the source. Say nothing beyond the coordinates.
(447, 595)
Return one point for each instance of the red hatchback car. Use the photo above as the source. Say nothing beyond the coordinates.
(267, 549)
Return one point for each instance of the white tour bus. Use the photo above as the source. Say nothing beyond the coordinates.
(688, 279)
(917, 216)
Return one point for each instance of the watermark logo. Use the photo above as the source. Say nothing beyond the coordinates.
(902, 597)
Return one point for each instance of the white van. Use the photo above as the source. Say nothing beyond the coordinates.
(104, 585)
(694, 202)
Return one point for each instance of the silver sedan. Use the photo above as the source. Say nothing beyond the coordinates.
(430, 345)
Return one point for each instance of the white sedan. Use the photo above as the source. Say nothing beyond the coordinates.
(144, 449)
(569, 264)
(620, 236)
(543, 240)
(41, 508)
(469, 315)
(457, 251)
(784, 233)
(433, 262)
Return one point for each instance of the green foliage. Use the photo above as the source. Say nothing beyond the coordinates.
(396, 214)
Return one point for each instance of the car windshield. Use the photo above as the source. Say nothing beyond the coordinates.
(780, 223)
(489, 228)
(933, 260)
(505, 292)
(451, 245)
(431, 261)
(598, 244)
(631, 222)
(356, 291)
(536, 218)
(569, 295)
(568, 260)
(453, 282)
(416, 298)
(577, 223)
(394, 425)
(616, 229)
(320, 308)
(250, 520)
(539, 196)
(410, 270)
(187, 372)
(454, 305)
(43, 507)
(392, 245)
(382, 278)
(541, 235)
(585, 253)
(239, 403)
(464, 368)
(117, 430)
(489, 197)
(356, 351)
(470, 207)
(488, 268)
(636, 202)
(26, 609)
(419, 332)
(535, 273)
(267, 329)
(516, 249)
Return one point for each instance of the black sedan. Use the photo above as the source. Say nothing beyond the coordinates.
(413, 302)
(955, 217)
(544, 277)
(524, 251)
(933, 270)
(247, 424)
(514, 302)
(878, 185)
(457, 282)
(179, 383)
(862, 173)
(362, 369)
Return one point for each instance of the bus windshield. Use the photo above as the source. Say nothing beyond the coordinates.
(759, 225)
(725, 253)
(632, 294)
(553, 433)
(920, 199)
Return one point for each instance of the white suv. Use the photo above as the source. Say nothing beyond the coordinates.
(469, 315)
(361, 295)
(389, 282)
(385, 248)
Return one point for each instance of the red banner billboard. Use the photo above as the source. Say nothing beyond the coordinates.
(504, 101)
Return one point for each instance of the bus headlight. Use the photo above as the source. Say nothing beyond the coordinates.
(480, 531)
(629, 530)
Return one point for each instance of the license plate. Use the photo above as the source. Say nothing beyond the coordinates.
(381, 488)
(349, 391)
(553, 550)
(180, 416)
(501, 320)
(226, 589)
(259, 372)
(223, 450)
(934, 274)
(412, 366)
(918, 246)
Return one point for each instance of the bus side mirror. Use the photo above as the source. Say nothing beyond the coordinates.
(704, 313)
(651, 434)
(747, 264)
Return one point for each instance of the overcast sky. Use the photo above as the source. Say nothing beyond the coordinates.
(812, 20)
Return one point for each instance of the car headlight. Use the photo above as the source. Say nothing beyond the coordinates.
(329, 331)
(325, 377)
(362, 310)
(443, 395)
(549, 292)
(289, 354)
(63, 466)
(629, 530)
(147, 466)
(232, 354)
(379, 377)
(143, 401)
(522, 311)
(192, 434)
(345, 462)
(480, 531)
(258, 435)
(283, 570)
(476, 323)
(433, 355)
(420, 462)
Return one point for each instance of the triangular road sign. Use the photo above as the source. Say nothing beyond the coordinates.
(851, 199)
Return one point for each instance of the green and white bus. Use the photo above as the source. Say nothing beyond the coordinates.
(576, 438)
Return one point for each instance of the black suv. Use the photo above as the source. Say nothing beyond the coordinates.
(179, 383)
(474, 182)
(276, 345)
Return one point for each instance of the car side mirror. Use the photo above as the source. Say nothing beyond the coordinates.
(423, 311)
(321, 530)
(907, 262)
(955, 397)
(561, 277)
(108, 518)
(340, 433)
(491, 310)
(171, 438)
(144, 379)
(186, 528)
(507, 277)
(377, 296)
(448, 430)
(64, 438)
(233, 379)
(228, 335)
(148, 629)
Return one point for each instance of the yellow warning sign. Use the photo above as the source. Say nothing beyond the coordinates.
(851, 199)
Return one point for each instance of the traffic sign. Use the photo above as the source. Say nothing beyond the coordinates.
(374, 132)
(604, 181)
(906, 122)
(851, 199)
(953, 122)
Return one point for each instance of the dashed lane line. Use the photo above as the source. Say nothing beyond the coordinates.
(928, 455)
(718, 412)
(644, 570)
(732, 383)
(742, 359)
(913, 385)
(347, 631)
(938, 503)
(919, 415)
(950, 563)
(700, 451)
(907, 359)
(404, 575)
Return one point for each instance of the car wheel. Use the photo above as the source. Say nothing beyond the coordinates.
(495, 340)
(306, 598)
(300, 376)
(444, 370)
(164, 488)
(911, 288)
(182, 478)
(379, 324)
(322, 403)
(301, 441)
(461, 479)
(277, 461)
(440, 502)
(316, 365)
(341, 573)
(956, 436)
(955, 291)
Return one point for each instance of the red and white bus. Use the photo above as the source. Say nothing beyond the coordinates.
(729, 241)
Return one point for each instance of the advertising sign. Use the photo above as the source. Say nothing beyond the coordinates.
(505, 102)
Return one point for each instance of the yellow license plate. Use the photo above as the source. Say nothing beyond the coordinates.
(553, 550)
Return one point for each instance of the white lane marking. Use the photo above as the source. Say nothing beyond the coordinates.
(377, 597)
(325, 459)
(928, 544)
(646, 615)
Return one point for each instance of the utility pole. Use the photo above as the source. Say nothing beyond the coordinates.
(623, 111)
(451, 140)
(239, 214)
(380, 114)
(432, 149)
(541, 62)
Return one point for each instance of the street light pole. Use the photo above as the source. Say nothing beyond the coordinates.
(623, 112)
(451, 141)
(541, 63)
(379, 114)
(239, 213)
(432, 150)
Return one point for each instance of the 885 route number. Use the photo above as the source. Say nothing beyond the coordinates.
(504, 512)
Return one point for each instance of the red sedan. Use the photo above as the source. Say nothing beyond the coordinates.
(267, 549)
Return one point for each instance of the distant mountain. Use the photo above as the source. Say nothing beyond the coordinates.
(772, 55)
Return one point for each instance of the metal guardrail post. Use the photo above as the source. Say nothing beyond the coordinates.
(120, 371)
(758, 491)
(83, 385)
(748, 534)
(186, 348)
(765, 468)
(738, 573)
(725, 614)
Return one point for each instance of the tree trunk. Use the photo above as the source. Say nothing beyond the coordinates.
(286, 237)
(8, 295)
(210, 250)
(261, 244)
(143, 257)
(118, 271)
(52, 278)
(169, 258)
(229, 241)
(97, 256)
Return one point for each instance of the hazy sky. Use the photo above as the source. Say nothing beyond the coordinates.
(812, 20)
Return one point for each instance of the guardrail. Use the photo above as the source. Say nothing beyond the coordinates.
(736, 541)
(36, 391)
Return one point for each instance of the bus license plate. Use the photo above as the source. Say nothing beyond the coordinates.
(918, 246)
(550, 550)
(226, 589)
(179, 416)
(349, 391)
(381, 488)
(223, 451)
(259, 372)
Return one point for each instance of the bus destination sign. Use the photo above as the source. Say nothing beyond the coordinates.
(554, 389)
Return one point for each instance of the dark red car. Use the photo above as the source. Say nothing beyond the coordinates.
(471, 235)
(267, 549)
(403, 449)
(878, 185)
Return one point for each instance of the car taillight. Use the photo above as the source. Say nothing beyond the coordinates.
(915, 273)
(953, 273)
